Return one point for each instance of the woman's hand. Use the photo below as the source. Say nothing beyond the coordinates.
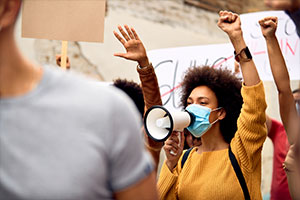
(135, 49)
(268, 26)
(173, 148)
(230, 23)
(58, 61)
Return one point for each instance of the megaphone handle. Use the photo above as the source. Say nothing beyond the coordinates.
(179, 138)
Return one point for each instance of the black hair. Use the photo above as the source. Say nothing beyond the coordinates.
(296, 91)
(133, 90)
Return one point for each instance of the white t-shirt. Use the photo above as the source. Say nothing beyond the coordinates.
(70, 139)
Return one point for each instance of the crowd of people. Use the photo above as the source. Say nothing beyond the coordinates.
(63, 137)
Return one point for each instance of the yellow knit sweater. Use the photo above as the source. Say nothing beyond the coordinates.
(210, 175)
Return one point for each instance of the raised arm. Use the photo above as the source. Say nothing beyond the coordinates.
(287, 106)
(251, 130)
(230, 23)
(136, 51)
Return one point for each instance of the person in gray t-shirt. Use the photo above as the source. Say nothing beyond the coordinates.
(62, 137)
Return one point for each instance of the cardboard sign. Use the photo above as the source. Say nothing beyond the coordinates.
(69, 20)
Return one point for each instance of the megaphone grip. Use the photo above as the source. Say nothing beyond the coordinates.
(179, 138)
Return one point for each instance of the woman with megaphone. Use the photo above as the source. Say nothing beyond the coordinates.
(230, 119)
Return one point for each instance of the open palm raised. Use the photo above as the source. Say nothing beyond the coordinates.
(135, 49)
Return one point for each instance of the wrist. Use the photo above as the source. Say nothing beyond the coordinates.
(243, 56)
(270, 37)
(238, 44)
(236, 35)
(170, 165)
(144, 62)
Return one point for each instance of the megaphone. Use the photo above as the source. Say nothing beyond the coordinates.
(159, 122)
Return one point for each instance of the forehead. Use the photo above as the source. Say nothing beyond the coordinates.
(202, 92)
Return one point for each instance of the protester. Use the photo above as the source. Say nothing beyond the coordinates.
(136, 51)
(229, 127)
(63, 137)
(279, 185)
(287, 107)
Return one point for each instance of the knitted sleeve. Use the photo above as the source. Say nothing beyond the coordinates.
(167, 183)
(168, 180)
(251, 128)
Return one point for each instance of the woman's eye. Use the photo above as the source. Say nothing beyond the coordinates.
(188, 103)
(203, 103)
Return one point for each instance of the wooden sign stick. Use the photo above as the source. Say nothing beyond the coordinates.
(64, 50)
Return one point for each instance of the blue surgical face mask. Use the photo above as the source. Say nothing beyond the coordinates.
(201, 122)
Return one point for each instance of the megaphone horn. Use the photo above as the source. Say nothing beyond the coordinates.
(160, 123)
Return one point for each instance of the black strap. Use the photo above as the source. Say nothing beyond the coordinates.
(239, 174)
(235, 166)
(185, 156)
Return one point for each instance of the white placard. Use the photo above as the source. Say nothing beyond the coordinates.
(170, 64)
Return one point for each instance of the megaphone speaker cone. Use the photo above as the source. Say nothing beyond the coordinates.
(158, 123)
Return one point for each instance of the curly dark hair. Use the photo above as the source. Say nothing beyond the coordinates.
(133, 90)
(227, 89)
(296, 91)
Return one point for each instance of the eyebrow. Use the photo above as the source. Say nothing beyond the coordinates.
(199, 98)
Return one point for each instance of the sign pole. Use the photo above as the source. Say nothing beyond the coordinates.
(64, 50)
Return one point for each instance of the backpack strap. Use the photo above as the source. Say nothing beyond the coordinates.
(239, 174)
(185, 156)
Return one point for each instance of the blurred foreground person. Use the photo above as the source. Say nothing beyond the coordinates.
(146, 94)
(63, 137)
(287, 106)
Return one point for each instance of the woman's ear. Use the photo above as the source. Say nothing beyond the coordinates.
(222, 114)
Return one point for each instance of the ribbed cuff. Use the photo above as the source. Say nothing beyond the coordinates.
(254, 95)
(145, 70)
(167, 180)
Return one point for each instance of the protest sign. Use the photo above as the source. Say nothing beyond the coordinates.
(69, 20)
(170, 64)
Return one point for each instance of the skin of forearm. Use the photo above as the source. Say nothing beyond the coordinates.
(249, 71)
(278, 66)
(288, 115)
(282, 81)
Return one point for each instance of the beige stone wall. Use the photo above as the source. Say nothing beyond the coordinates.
(238, 6)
